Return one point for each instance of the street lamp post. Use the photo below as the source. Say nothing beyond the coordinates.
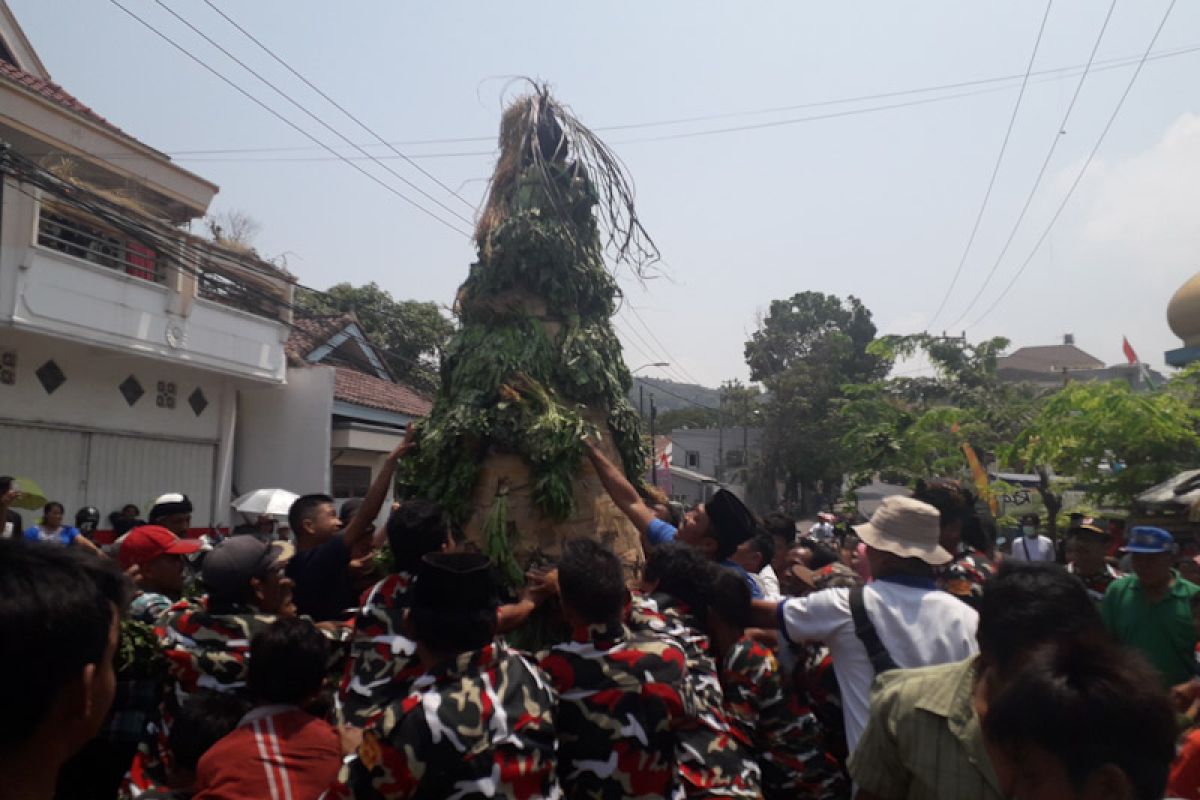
(641, 393)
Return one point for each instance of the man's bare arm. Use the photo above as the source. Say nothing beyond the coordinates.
(764, 614)
(620, 489)
(359, 526)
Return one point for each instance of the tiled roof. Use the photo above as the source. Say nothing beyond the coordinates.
(309, 333)
(55, 93)
(1051, 358)
(352, 386)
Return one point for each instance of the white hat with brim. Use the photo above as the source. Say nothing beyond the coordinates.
(907, 528)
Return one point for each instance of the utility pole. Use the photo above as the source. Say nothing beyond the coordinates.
(720, 435)
(653, 449)
(641, 400)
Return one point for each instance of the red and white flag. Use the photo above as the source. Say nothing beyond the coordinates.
(1127, 348)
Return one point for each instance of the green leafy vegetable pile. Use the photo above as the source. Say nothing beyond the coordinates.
(535, 357)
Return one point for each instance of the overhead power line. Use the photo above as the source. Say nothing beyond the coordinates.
(336, 104)
(284, 119)
(315, 117)
(1037, 181)
(987, 195)
(1082, 170)
(1056, 73)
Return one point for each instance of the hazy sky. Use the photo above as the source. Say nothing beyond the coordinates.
(877, 204)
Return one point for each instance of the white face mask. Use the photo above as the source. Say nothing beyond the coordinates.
(1030, 531)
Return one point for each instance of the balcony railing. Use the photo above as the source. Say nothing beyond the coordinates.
(81, 238)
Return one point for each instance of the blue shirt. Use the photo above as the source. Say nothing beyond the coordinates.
(659, 532)
(66, 535)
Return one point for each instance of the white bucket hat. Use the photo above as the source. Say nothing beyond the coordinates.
(907, 528)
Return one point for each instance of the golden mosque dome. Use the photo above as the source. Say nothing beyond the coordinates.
(1183, 312)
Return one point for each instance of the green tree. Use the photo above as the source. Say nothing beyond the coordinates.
(693, 417)
(412, 334)
(1114, 440)
(806, 349)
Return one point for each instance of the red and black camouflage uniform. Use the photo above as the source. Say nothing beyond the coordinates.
(621, 699)
(480, 725)
(1097, 584)
(383, 663)
(788, 739)
(965, 575)
(714, 759)
(205, 651)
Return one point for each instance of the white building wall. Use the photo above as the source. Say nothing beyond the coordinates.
(283, 433)
(85, 444)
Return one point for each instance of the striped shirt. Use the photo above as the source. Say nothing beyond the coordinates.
(275, 753)
(924, 741)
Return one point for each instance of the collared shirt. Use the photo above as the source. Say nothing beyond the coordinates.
(621, 698)
(1162, 631)
(714, 758)
(480, 725)
(1097, 584)
(787, 739)
(924, 740)
(659, 532)
(918, 625)
(383, 661)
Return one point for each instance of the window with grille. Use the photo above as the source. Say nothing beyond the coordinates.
(349, 481)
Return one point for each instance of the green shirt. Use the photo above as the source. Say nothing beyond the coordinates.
(923, 741)
(1162, 631)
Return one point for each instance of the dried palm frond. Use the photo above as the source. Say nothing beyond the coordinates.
(541, 137)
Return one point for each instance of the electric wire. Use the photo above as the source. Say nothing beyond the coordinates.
(1082, 171)
(336, 104)
(1037, 182)
(987, 195)
(315, 117)
(284, 119)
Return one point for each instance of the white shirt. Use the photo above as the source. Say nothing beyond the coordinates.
(768, 581)
(1027, 549)
(919, 627)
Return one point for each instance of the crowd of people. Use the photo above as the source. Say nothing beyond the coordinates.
(903, 658)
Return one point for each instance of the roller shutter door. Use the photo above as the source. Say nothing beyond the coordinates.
(105, 470)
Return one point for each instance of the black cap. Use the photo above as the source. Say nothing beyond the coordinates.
(455, 583)
(228, 568)
(731, 520)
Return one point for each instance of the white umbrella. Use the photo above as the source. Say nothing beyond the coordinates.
(273, 502)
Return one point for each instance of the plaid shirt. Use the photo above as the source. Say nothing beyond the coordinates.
(621, 699)
(713, 755)
(788, 740)
(382, 663)
(924, 741)
(481, 725)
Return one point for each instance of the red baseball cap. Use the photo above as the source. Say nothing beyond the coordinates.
(147, 542)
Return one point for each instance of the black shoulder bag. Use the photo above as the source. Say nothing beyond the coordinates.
(864, 629)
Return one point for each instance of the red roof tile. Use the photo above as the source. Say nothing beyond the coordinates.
(52, 91)
(309, 333)
(352, 386)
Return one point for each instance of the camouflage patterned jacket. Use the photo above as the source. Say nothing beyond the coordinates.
(714, 759)
(207, 650)
(482, 725)
(788, 739)
(620, 701)
(965, 575)
(383, 663)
